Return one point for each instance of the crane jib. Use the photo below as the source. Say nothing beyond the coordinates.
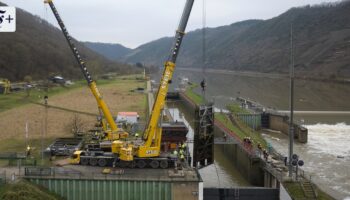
(70, 43)
(166, 79)
(92, 84)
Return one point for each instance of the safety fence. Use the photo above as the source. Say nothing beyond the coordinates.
(251, 120)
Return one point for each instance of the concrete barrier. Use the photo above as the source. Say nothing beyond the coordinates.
(280, 123)
(241, 193)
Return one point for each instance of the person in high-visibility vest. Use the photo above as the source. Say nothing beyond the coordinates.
(182, 157)
(28, 150)
(181, 152)
(183, 146)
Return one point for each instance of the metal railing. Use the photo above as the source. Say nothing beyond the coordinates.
(3, 178)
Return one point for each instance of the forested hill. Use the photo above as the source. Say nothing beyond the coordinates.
(321, 40)
(110, 51)
(39, 49)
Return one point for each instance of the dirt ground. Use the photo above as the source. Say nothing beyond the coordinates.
(117, 96)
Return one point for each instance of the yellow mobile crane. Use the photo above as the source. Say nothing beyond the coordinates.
(145, 152)
(114, 133)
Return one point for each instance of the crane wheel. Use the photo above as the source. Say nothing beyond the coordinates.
(154, 164)
(164, 164)
(132, 164)
(141, 164)
(102, 162)
(93, 161)
(84, 161)
(123, 164)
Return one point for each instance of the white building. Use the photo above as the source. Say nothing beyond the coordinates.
(128, 117)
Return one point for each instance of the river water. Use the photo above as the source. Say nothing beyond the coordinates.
(327, 154)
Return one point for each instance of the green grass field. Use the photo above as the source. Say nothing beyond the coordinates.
(21, 98)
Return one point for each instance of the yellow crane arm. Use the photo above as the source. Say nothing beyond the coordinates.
(153, 132)
(92, 84)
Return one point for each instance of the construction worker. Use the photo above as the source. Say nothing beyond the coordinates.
(259, 146)
(181, 152)
(182, 157)
(266, 155)
(28, 151)
(184, 146)
(175, 152)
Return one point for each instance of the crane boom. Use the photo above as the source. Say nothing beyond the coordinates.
(92, 84)
(153, 132)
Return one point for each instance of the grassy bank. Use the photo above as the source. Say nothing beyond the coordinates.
(196, 98)
(241, 130)
(24, 190)
(295, 190)
(237, 109)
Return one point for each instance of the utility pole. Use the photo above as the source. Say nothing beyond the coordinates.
(291, 125)
(44, 129)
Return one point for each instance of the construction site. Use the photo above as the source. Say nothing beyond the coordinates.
(138, 154)
(145, 135)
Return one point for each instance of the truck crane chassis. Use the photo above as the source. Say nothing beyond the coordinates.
(104, 159)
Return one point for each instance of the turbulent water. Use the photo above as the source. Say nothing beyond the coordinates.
(326, 156)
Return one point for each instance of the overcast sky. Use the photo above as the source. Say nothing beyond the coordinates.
(134, 22)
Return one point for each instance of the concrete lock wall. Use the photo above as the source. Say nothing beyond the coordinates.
(85, 189)
(280, 123)
(249, 167)
(241, 194)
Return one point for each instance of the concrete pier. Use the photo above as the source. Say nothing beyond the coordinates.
(280, 123)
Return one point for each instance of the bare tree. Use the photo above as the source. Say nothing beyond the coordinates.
(77, 125)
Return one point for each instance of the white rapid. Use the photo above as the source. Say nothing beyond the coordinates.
(326, 156)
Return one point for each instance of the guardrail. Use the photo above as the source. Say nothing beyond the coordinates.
(12, 155)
